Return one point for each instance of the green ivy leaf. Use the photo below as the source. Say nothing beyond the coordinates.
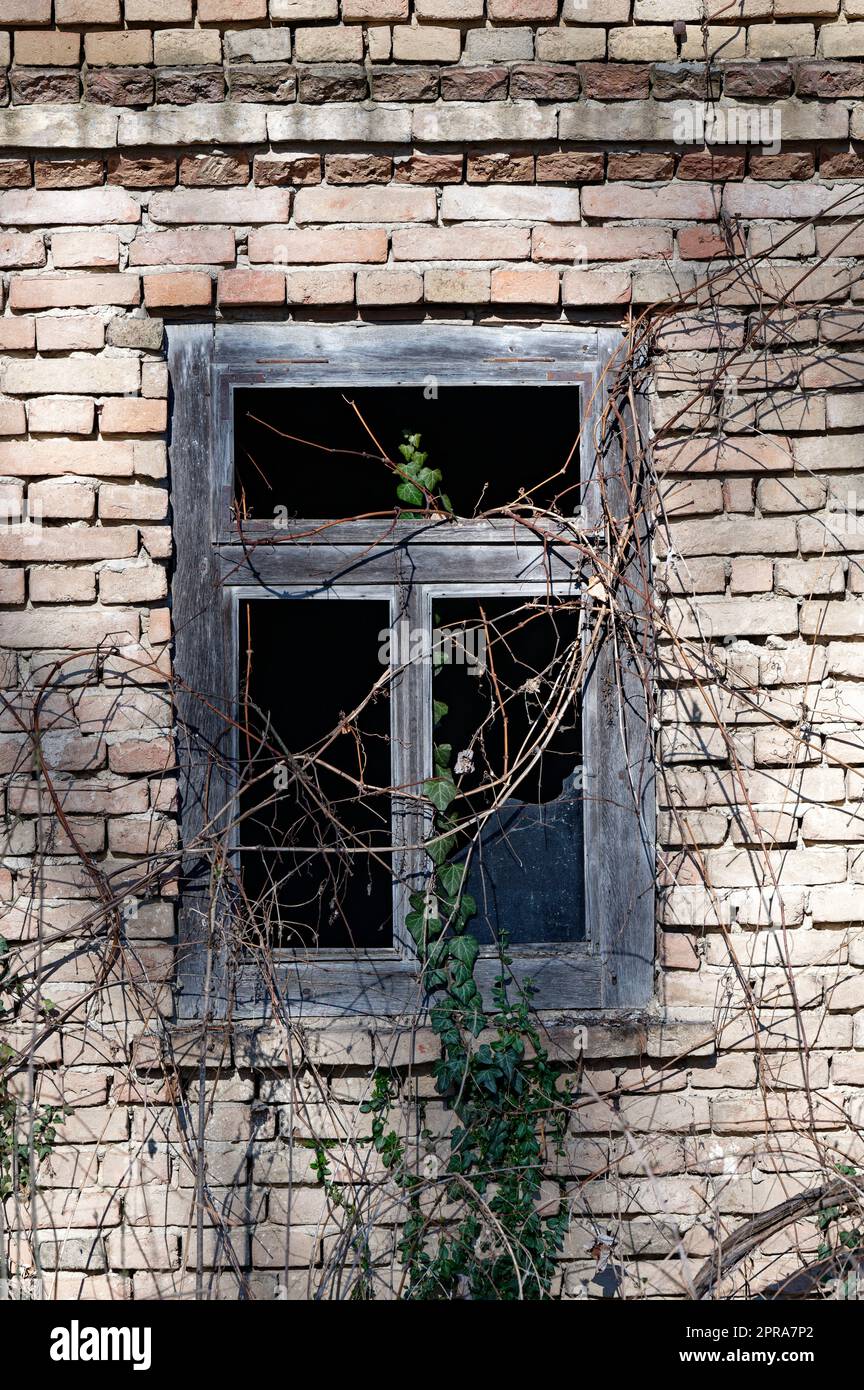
(409, 494)
(451, 876)
(440, 791)
(466, 950)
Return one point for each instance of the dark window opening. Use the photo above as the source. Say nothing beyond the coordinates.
(491, 443)
(314, 753)
(506, 672)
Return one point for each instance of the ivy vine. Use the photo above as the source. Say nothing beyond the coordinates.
(507, 1098)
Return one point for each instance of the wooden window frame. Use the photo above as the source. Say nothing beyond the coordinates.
(215, 567)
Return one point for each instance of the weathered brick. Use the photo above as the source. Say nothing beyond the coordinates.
(596, 287)
(142, 171)
(320, 286)
(214, 170)
(389, 287)
(61, 415)
(483, 121)
(57, 48)
(67, 173)
(25, 11)
(73, 291)
(506, 204)
(119, 86)
(181, 290)
(251, 287)
(76, 333)
(93, 249)
(134, 416)
(452, 286)
(283, 246)
(525, 286)
(463, 243)
(365, 205)
(72, 376)
(118, 47)
(475, 84)
(46, 209)
(275, 170)
(250, 205)
(200, 247)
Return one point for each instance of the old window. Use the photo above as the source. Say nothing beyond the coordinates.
(344, 640)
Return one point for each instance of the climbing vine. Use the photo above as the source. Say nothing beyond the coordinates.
(505, 1095)
(17, 1150)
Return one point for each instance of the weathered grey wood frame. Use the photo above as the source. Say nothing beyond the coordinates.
(214, 566)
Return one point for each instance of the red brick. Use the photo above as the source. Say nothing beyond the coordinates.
(701, 244)
(757, 80)
(251, 287)
(601, 243)
(615, 81)
(134, 416)
(38, 458)
(73, 291)
(782, 166)
(277, 170)
(394, 204)
(525, 286)
(711, 167)
(142, 171)
(570, 166)
(208, 246)
(841, 164)
(15, 173)
(830, 80)
(141, 755)
(67, 173)
(694, 202)
(465, 243)
(186, 289)
(280, 246)
(358, 168)
(429, 168)
(650, 168)
(497, 166)
(214, 170)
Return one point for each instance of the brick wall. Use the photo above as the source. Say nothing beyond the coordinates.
(383, 160)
